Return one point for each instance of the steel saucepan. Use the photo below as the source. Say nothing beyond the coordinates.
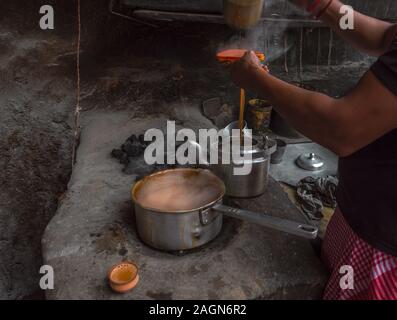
(170, 217)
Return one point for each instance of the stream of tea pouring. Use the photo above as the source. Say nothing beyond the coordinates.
(241, 114)
(228, 57)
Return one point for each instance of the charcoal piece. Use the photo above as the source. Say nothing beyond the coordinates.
(132, 149)
(124, 158)
(117, 153)
(133, 138)
(142, 148)
(141, 139)
(131, 155)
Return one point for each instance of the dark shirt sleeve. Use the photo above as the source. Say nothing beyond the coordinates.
(385, 68)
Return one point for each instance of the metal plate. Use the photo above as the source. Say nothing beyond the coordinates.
(287, 171)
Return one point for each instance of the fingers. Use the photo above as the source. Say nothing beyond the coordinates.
(252, 59)
(248, 54)
(242, 70)
(251, 56)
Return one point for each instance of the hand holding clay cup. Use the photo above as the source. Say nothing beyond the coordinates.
(245, 71)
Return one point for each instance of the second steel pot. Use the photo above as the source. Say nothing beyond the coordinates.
(248, 185)
(255, 182)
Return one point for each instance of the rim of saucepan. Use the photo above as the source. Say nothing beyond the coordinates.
(140, 182)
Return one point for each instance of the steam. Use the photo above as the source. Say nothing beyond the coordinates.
(179, 190)
(267, 37)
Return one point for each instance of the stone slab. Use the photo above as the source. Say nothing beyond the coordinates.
(94, 229)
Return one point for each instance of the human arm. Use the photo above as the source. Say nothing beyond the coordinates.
(342, 125)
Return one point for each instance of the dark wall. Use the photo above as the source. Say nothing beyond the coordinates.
(295, 48)
(377, 8)
(104, 33)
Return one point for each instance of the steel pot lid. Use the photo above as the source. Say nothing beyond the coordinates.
(310, 161)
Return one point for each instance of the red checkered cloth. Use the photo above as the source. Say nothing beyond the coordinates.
(375, 272)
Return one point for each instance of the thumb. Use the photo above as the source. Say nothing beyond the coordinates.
(250, 54)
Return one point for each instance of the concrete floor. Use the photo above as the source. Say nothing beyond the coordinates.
(94, 228)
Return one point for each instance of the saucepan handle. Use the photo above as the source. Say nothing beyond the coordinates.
(292, 227)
